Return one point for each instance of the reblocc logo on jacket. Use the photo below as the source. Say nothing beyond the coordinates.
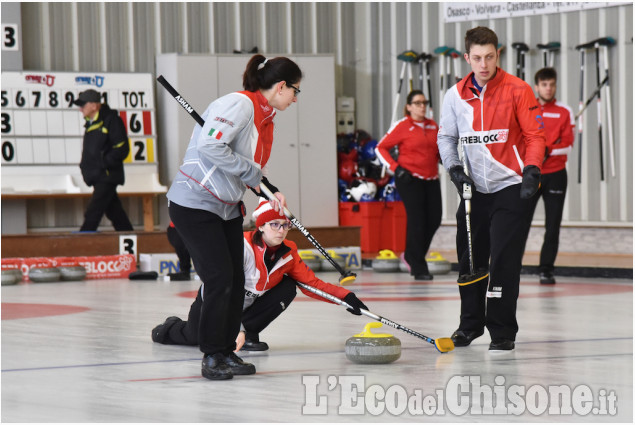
(487, 137)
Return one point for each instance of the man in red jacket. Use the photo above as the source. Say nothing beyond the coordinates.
(559, 123)
(494, 119)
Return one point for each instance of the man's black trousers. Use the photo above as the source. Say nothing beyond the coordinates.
(500, 226)
(553, 189)
(105, 201)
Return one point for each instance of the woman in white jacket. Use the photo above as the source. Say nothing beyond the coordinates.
(223, 158)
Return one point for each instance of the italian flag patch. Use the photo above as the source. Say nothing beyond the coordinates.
(215, 134)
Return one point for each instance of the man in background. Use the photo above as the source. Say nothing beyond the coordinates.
(559, 123)
(104, 149)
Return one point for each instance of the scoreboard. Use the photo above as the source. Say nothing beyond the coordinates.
(41, 125)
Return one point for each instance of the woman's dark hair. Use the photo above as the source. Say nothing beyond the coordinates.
(257, 238)
(258, 76)
(409, 99)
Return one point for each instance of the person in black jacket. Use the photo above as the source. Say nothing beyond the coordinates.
(105, 147)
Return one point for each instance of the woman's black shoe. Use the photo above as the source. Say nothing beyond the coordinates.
(238, 366)
(423, 276)
(254, 346)
(215, 368)
(160, 332)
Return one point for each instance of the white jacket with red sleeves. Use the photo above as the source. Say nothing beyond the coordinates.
(258, 280)
(500, 128)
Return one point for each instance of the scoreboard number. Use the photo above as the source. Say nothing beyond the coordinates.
(10, 37)
(8, 151)
(40, 122)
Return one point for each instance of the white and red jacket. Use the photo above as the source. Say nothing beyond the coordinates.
(226, 155)
(258, 280)
(559, 125)
(418, 150)
(500, 128)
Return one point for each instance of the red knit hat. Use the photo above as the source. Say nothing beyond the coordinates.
(264, 213)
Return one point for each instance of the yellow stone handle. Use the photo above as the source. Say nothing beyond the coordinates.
(386, 254)
(434, 256)
(366, 333)
(307, 255)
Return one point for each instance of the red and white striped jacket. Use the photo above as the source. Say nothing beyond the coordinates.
(258, 280)
(559, 125)
(500, 128)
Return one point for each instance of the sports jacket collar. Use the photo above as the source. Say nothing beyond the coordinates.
(263, 111)
(550, 103)
(466, 83)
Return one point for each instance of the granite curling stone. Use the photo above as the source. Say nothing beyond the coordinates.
(311, 260)
(437, 264)
(372, 348)
(386, 262)
(72, 272)
(11, 277)
(44, 274)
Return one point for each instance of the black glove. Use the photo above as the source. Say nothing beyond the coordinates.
(458, 177)
(352, 300)
(403, 174)
(531, 181)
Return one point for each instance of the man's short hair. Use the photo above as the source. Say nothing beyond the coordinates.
(481, 36)
(545, 74)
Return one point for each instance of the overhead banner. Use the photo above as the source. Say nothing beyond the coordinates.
(459, 12)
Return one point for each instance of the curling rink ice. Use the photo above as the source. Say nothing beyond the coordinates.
(81, 352)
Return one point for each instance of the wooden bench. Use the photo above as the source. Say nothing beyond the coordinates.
(66, 182)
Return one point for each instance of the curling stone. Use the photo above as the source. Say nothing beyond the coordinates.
(437, 264)
(372, 348)
(386, 262)
(44, 274)
(11, 277)
(311, 260)
(72, 272)
(327, 266)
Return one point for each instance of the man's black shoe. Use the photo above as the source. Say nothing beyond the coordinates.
(464, 338)
(502, 345)
(546, 278)
(215, 368)
(160, 333)
(180, 276)
(238, 366)
(423, 276)
(254, 346)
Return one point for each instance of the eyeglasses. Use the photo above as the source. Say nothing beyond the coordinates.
(296, 91)
(277, 226)
(421, 103)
